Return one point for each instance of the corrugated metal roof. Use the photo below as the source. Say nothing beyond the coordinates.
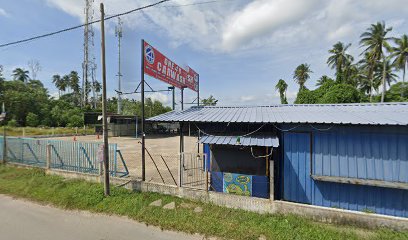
(265, 141)
(368, 114)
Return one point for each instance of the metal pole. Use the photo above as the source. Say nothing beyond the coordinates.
(198, 104)
(104, 103)
(142, 128)
(181, 163)
(174, 97)
(182, 98)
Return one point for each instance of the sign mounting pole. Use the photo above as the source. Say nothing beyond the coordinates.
(142, 128)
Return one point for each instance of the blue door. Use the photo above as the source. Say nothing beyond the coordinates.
(296, 167)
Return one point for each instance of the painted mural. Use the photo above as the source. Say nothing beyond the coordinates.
(239, 184)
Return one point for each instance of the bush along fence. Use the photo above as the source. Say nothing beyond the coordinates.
(82, 157)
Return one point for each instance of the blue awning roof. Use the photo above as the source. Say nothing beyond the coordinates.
(264, 141)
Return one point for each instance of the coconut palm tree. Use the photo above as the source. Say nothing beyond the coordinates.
(339, 58)
(301, 75)
(21, 75)
(400, 52)
(57, 80)
(386, 73)
(282, 86)
(375, 42)
(74, 82)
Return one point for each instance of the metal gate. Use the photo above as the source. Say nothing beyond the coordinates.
(193, 173)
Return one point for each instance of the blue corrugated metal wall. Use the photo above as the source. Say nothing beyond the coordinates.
(346, 152)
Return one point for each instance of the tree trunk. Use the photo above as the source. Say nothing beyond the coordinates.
(383, 81)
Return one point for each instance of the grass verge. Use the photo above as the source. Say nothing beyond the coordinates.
(34, 184)
(37, 131)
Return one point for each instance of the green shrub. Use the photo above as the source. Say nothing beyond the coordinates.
(32, 120)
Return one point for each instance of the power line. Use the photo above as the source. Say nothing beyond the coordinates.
(82, 25)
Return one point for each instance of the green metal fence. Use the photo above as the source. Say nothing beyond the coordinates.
(71, 156)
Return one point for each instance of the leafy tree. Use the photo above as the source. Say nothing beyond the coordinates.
(20, 75)
(301, 74)
(340, 93)
(12, 123)
(375, 40)
(75, 121)
(32, 119)
(400, 52)
(210, 101)
(323, 80)
(397, 93)
(1, 73)
(305, 96)
(282, 86)
(339, 59)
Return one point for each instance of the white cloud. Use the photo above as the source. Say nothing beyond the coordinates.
(159, 97)
(4, 13)
(263, 17)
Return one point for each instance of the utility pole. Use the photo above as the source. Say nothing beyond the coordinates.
(104, 103)
(142, 83)
(118, 34)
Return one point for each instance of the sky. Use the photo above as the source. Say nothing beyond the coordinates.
(240, 48)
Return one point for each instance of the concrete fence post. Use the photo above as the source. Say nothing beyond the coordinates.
(4, 145)
(48, 163)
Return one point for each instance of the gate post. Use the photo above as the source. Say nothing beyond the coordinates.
(48, 162)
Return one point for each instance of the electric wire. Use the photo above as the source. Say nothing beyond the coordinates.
(81, 25)
(110, 16)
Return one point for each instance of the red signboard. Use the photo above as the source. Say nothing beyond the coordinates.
(159, 66)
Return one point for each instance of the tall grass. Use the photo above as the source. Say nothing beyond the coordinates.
(212, 221)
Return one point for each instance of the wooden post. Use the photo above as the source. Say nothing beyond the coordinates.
(104, 103)
(48, 164)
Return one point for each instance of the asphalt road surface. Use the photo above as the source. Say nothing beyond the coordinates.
(22, 220)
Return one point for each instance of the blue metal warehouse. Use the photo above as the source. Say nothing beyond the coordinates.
(348, 156)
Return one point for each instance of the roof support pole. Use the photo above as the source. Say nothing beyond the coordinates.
(181, 155)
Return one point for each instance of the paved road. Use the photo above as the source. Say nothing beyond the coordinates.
(23, 220)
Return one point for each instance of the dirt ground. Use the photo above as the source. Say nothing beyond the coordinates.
(162, 148)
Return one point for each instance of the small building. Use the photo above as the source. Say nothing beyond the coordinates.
(118, 125)
(347, 156)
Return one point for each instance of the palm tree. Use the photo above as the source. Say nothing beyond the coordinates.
(74, 82)
(375, 41)
(385, 75)
(339, 59)
(97, 88)
(21, 75)
(301, 74)
(401, 56)
(282, 86)
(57, 80)
(324, 79)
